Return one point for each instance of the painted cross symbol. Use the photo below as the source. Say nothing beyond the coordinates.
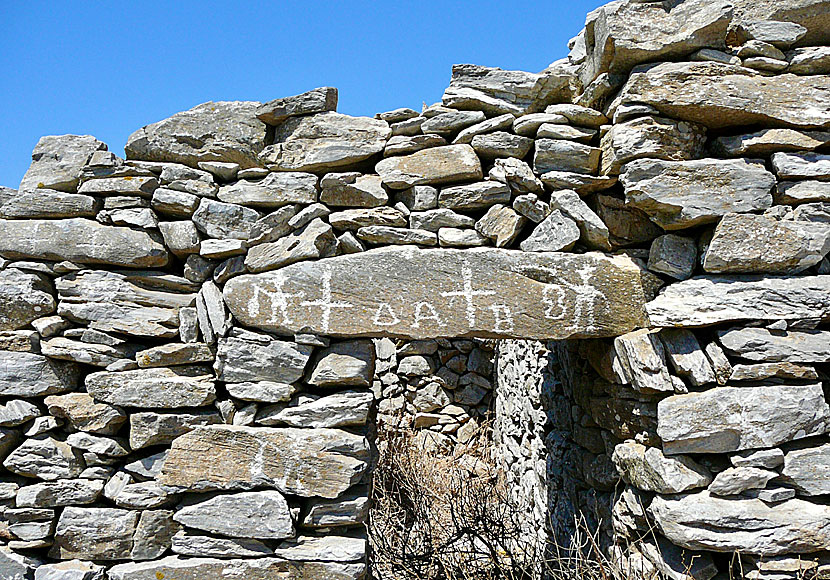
(278, 299)
(468, 294)
(325, 303)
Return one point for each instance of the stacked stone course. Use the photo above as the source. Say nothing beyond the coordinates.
(197, 341)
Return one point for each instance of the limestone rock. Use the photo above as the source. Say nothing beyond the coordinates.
(499, 123)
(95, 533)
(769, 141)
(304, 462)
(681, 194)
(153, 534)
(352, 190)
(728, 419)
(706, 300)
(749, 526)
(206, 546)
(760, 344)
(457, 237)
(48, 204)
(174, 354)
(83, 413)
(673, 255)
(261, 391)
(557, 232)
(100, 355)
(349, 509)
(480, 195)
(24, 374)
(24, 297)
(592, 231)
(435, 219)
(810, 60)
(807, 470)
(433, 166)
(802, 166)
(501, 144)
(736, 480)
(518, 175)
(57, 161)
(401, 144)
(250, 569)
(653, 137)
(258, 514)
(501, 224)
(226, 131)
(346, 409)
(496, 91)
(70, 570)
(579, 182)
(147, 428)
(181, 238)
(324, 141)
(349, 363)
(563, 155)
(647, 469)
(642, 360)
(182, 386)
(774, 370)
(796, 192)
(528, 125)
(451, 122)
(17, 412)
(385, 235)
(323, 549)
(259, 357)
(276, 190)
(765, 458)
(224, 220)
(721, 95)
(82, 241)
(45, 458)
(447, 292)
(687, 357)
(17, 566)
(62, 492)
(314, 240)
(621, 35)
(314, 101)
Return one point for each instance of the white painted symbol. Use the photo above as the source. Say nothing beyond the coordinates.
(468, 294)
(503, 316)
(586, 298)
(420, 316)
(277, 299)
(325, 303)
(385, 316)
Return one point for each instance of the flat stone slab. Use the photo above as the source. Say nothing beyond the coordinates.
(80, 240)
(707, 300)
(251, 569)
(413, 293)
(304, 462)
(722, 95)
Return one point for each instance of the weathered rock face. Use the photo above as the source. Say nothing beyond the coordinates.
(621, 35)
(746, 525)
(24, 297)
(95, 533)
(57, 161)
(706, 300)
(324, 141)
(314, 101)
(81, 240)
(47, 203)
(26, 374)
(258, 514)
(320, 462)
(412, 296)
(498, 91)
(721, 95)
(181, 386)
(752, 244)
(808, 470)
(681, 194)
(259, 357)
(649, 470)
(431, 167)
(760, 344)
(276, 190)
(252, 569)
(728, 419)
(226, 131)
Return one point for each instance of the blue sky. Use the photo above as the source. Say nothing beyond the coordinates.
(108, 68)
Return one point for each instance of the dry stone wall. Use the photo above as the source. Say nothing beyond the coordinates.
(196, 341)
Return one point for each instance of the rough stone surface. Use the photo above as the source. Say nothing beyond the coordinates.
(259, 357)
(250, 569)
(681, 194)
(728, 419)
(314, 101)
(320, 462)
(760, 344)
(226, 131)
(256, 514)
(430, 167)
(808, 470)
(95, 533)
(276, 190)
(25, 374)
(747, 525)
(57, 161)
(24, 297)
(706, 300)
(181, 386)
(565, 290)
(649, 470)
(350, 363)
(325, 141)
(721, 95)
(81, 240)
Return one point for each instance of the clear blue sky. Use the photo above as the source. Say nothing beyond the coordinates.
(108, 68)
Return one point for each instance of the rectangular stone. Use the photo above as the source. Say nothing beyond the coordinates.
(174, 567)
(304, 462)
(727, 419)
(416, 293)
(707, 300)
